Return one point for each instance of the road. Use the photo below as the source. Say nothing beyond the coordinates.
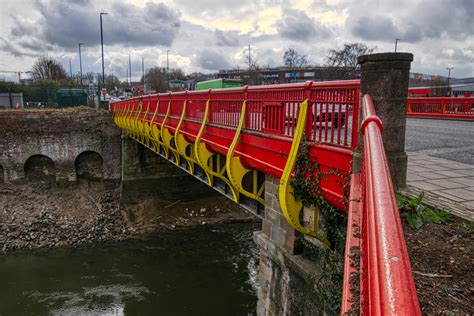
(447, 139)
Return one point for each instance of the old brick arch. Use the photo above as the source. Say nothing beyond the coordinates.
(89, 165)
(40, 168)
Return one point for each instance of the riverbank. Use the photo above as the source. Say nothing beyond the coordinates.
(42, 215)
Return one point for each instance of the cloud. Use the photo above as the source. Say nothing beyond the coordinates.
(426, 20)
(65, 24)
(297, 25)
(227, 38)
(212, 60)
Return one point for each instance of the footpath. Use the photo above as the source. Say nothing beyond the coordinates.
(447, 184)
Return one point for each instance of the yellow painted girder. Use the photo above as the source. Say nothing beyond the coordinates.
(235, 170)
(203, 157)
(291, 207)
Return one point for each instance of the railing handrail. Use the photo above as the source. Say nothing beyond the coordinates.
(388, 288)
(424, 99)
(274, 87)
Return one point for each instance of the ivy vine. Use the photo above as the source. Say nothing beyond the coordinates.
(307, 187)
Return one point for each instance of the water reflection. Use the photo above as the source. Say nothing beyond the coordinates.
(199, 272)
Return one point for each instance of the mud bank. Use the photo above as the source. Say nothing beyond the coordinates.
(42, 215)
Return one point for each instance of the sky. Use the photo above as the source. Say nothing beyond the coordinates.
(208, 35)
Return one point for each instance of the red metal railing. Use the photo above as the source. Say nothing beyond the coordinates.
(270, 123)
(386, 283)
(441, 107)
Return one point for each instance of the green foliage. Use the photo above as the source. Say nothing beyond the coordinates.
(416, 213)
(306, 187)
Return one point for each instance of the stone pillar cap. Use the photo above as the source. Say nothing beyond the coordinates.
(381, 57)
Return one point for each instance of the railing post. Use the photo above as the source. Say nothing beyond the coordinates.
(384, 77)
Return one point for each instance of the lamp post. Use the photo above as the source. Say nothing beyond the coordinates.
(102, 47)
(80, 62)
(449, 78)
(143, 74)
(130, 68)
(396, 42)
(168, 68)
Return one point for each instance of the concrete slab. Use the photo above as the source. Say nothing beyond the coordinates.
(429, 175)
(468, 181)
(451, 174)
(447, 195)
(447, 184)
(463, 194)
(424, 185)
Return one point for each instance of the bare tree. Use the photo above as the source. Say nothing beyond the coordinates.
(157, 79)
(293, 59)
(47, 68)
(345, 59)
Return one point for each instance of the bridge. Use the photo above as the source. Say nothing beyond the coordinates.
(261, 145)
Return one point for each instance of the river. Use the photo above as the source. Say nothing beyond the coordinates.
(208, 270)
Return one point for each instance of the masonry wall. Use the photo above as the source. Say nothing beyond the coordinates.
(145, 174)
(287, 279)
(61, 135)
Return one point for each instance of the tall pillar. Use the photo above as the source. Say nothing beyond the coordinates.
(385, 77)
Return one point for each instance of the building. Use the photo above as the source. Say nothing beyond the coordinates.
(286, 75)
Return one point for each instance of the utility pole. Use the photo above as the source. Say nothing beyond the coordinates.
(449, 79)
(130, 68)
(70, 68)
(396, 42)
(80, 62)
(168, 68)
(126, 70)
(250, 59)
(102, 47)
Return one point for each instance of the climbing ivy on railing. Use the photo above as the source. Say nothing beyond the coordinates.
(307, 187)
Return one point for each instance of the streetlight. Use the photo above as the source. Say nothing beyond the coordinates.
(130, 68)
(80, 62)
(102, 46)
(143, 74)
(449, 78)
(396, 42)
(168, 68)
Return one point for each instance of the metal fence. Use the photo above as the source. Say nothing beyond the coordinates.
(441, 107)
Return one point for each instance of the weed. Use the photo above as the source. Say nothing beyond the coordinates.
(416, 213)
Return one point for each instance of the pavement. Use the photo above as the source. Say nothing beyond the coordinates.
(441, 164)
(447, 185)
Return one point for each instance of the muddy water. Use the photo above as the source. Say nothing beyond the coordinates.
(201, 271)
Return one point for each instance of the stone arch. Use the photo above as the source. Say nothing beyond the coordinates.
(40, 168)
(89, 165)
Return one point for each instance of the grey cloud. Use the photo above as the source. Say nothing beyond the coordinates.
(375, 27)
(297, 25)
(438, 18)
(227, 38)
(427, 19)
(14, 50)
(212, 60)
(64, 24)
